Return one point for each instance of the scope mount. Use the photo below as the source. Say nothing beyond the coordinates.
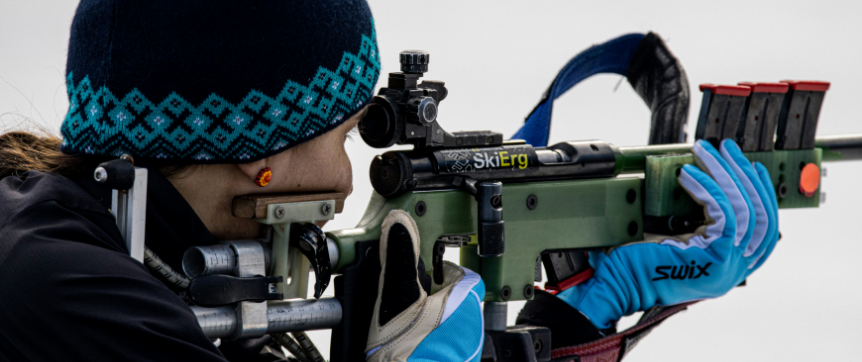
(405, 112)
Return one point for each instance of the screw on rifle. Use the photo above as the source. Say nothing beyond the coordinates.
(782, 190)
(279, 212)
(505, 293)
(411, 184)
(528, 291)
(100, 175)
(631, 196)
(420, 208)
(496, 201)
(128, 157)
(326, 209)
(532, 202)
(677, 193)
(633, 228)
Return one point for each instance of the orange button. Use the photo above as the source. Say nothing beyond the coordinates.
(809, 180)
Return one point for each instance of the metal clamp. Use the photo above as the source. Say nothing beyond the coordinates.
(289, 262)
(251, 316)
(128, 200)
(283, 316)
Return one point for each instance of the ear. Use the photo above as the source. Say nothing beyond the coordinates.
(251, 169)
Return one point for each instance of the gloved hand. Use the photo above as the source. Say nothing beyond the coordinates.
(741, 231)
(408, 324)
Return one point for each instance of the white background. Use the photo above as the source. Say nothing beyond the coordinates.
(498, 57)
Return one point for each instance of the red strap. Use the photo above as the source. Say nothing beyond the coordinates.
(614, 347)
(570, 282)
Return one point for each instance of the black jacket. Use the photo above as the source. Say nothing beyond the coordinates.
(70, 291)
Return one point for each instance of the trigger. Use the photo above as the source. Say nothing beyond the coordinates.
(437, 260)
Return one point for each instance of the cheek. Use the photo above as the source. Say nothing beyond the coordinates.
(331, 170)
(345, 184)
(314, 167)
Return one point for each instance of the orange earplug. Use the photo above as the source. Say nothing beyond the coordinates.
(263, 177)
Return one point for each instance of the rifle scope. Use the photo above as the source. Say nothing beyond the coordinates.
(405, 112)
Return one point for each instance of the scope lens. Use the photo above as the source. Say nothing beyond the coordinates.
(375, 124)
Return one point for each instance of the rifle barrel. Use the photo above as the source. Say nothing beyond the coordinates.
(835, 148)
(840, 147)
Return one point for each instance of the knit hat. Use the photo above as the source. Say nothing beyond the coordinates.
(214, 81)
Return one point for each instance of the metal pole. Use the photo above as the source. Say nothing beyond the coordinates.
(840, 147)
(129, 207)
(495, 316)
(282, 316)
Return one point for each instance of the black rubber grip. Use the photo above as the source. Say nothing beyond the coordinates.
(119, 174)
(216, 290)
(659, 79)
(491, 239)
(356, 289)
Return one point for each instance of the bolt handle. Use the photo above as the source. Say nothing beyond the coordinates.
(414, 61)
(311, 242)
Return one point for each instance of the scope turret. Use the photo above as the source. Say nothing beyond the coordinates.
(414, 61)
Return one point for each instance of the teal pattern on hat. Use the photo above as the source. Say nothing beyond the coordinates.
(102, 123)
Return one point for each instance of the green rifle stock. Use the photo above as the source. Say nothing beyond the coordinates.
(577, 214)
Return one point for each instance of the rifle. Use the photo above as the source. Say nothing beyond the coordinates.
(560, 201)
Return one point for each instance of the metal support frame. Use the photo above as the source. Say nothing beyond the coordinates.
(129, 208)
(288, 262)
(279, 317)
(251, 316)
(495, 314)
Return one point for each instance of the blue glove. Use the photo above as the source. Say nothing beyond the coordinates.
(741, 231)
(411, 324)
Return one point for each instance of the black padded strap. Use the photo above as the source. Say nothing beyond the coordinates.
(659, 79)
(400, 289)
